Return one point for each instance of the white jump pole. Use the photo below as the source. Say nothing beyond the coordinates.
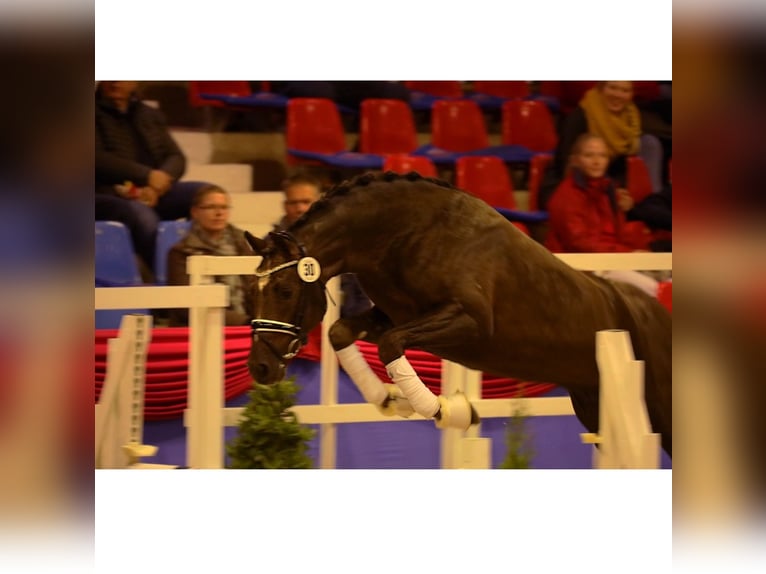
(204, 445)
(328, 432)
(463, 449)
(625, 438)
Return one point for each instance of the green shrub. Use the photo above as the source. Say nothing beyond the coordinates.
(270, 436)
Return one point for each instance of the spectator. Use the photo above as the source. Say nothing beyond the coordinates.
(138, 165)
(586, 212)
(211, 234)
(301, 191)
(607, 110)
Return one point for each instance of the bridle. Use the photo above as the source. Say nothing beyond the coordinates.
(259, 326)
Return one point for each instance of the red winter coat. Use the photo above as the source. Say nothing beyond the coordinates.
(584, 218)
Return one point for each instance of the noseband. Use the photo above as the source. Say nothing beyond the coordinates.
(308, 275)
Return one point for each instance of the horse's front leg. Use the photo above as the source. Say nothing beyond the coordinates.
(447, 327)
(368, 326)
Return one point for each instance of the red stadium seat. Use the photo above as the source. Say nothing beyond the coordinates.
(528, 124)
(314, 124)
(487, 178)
(386, 127)
(458, 126)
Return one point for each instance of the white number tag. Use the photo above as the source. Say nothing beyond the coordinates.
(309, 269)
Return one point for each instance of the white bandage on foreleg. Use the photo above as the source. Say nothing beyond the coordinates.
(422, 400)
(364, 378)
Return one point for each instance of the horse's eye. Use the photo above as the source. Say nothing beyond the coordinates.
(284, 292)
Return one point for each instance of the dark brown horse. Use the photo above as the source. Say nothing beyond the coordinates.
(450, 276)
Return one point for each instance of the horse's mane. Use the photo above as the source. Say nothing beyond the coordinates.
(344, 188)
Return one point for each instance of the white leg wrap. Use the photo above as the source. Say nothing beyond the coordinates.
(422, 400)
(456, 412)
(364, 378)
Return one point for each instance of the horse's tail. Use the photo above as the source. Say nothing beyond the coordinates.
(651, 333)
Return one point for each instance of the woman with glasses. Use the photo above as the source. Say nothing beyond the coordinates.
(211, 234)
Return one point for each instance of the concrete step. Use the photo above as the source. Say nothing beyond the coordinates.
(197, 146)
(233, 177)
(256, 208)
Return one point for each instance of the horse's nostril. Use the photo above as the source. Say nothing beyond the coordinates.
(261, 372)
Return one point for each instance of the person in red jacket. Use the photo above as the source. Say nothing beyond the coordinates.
(586, 212)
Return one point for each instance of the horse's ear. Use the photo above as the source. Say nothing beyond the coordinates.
(282, 241)
(258, 245)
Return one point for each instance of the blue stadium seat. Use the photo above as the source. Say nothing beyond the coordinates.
(116, 266)
(168, 234)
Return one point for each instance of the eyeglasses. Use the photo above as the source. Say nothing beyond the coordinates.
(214, 207)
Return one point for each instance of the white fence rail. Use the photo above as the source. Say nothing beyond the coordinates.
(206, 416)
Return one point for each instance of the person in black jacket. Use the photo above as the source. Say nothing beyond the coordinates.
(138, 165)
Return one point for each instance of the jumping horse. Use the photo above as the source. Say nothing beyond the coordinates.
(451, 276)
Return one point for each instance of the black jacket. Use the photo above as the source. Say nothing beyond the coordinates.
(130, 145)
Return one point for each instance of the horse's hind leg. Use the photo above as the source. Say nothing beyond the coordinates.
(368, 326)
(447, 327)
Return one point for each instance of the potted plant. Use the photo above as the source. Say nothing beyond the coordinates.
(270, 435)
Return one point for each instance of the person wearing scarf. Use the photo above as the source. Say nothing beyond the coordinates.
(611, 113)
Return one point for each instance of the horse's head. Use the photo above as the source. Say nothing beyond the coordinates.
(288, 302)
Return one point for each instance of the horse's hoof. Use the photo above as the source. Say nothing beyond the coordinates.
(475, 418)
(396, 403)
(456, 412)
